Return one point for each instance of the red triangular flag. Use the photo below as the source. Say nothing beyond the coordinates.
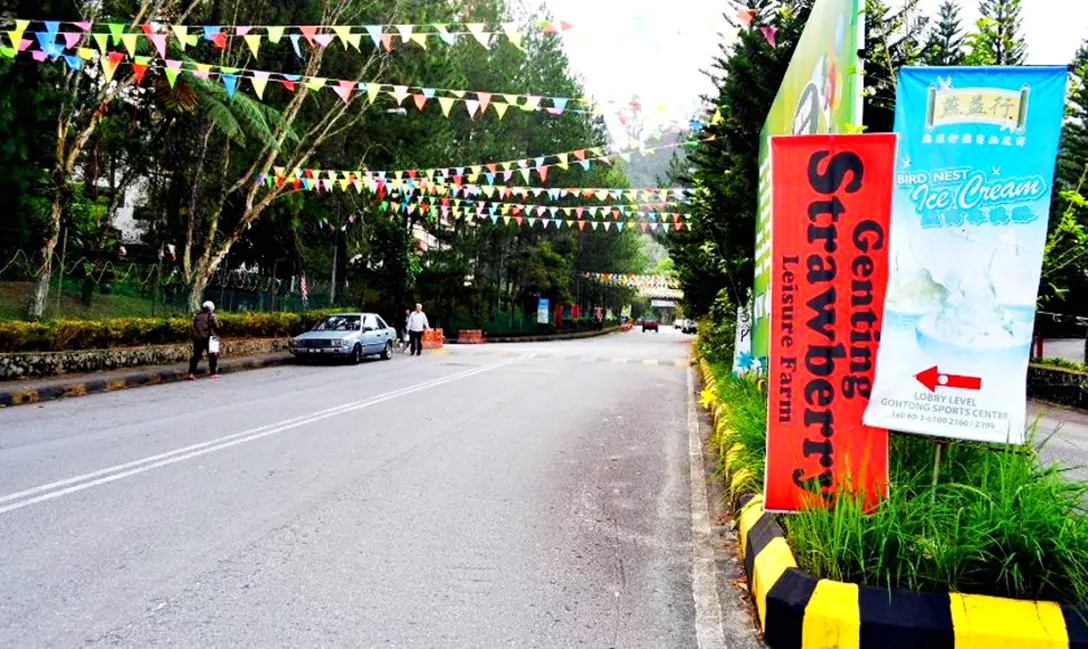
(387, 42)
(308, 31)
(421, 101)
(220, 40)
(138, 72)
(543, 171)
(344, 88)
(492, 167)
(580, 154)
(412, 174)
(581, 225)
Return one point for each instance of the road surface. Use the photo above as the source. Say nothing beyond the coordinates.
(533, 495)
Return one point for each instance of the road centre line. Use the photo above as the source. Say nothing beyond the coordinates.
(107, 475)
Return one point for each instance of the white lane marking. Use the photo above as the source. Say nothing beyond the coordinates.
(709, 631)
(135, 467)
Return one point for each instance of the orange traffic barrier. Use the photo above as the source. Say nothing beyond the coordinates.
(433, 339)
(470, 336)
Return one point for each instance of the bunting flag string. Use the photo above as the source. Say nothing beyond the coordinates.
(487, 170)
(424, 186)
(475, 214)
(475, 101)
(632, 280)
(384, 36)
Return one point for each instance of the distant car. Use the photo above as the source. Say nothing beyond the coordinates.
(689, 327)
(350, 336)
(678, 323)
(649, 325)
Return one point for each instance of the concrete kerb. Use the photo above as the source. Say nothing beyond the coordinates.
(62, 388)
(537, 339)
(798, 611)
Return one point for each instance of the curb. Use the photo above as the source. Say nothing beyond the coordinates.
(67, 389)
(798, 611)
(539, 339)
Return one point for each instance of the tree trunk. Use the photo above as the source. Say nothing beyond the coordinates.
(41, 293)
(194, 202)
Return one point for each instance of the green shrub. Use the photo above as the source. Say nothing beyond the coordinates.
(1062, 363)
(998, 522)
(718, 331)
(66, 335)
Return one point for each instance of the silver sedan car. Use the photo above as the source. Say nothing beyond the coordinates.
(346, 336)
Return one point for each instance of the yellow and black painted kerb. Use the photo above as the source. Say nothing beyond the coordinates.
(67, 388)
(798, 611)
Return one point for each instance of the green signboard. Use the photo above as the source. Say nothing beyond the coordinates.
(821, 93)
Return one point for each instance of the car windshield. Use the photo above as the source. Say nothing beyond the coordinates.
(339, 323)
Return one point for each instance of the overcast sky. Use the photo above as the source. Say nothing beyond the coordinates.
(657, 49)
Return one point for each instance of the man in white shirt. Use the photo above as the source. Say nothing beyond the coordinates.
(417, 324)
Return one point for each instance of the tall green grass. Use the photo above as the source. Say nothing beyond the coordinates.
(999, 521)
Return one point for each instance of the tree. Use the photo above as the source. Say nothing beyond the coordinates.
(1064, 284)
(998, 40)
(895, 39)
(945, 43)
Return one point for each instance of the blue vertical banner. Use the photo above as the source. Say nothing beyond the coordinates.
(970, 208)
(543, 310)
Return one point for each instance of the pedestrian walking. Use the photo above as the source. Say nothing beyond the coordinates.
(205, 339)
(417, 324)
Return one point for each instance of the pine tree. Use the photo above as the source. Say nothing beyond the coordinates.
(945, 44)
(998, 40)
(895, 39)
(717, 252)
(1065, 267)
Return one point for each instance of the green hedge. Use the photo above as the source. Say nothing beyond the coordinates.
(69, 335)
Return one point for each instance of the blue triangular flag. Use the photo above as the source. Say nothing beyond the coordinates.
(428, 93)
(294, 43)
(375, 32)
(560, 102)
(74, 62)
(51, 26)
(210, 31)
(292, 77)
(230, 82)
(490, 178)
(494, 218)
(585, 164)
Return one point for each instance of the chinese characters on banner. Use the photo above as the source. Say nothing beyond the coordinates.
(829, 261)
(543, 310)
(969, 222)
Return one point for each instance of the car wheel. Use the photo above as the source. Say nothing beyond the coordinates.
(387, 352)
(356, 354)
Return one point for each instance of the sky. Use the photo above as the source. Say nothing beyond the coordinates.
(658, 49)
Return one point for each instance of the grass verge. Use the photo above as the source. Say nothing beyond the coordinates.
(999, 521)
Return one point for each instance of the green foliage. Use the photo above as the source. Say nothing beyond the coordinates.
(718, 331)
(739, 433)
(999, 522)
(945, 45)
(998, 40)
(70, 335)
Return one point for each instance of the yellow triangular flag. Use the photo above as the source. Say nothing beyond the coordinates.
(511, 99)
(354, 39)
(254, 43)
(717, 119)
(446, 103)
(563, 164)
(259, 83)
(460, 94)
(512, 33)
(275, 33)
(17, 33)
(87, 53)
(421, 39)
(130, 43)
(343, 31)
(500, 108)
(101, 39)
(372, 90)
(315, 83)
(180, 32)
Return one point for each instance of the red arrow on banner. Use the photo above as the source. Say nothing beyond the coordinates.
(932, 379)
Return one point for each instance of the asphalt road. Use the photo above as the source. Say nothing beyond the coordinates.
(486, 497)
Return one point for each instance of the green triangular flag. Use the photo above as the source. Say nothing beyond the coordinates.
(102, 40)
(274, 34)
(116, 29)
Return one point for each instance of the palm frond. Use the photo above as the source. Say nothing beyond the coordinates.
(222, 118)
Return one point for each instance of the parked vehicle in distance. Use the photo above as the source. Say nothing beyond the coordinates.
(689, 327)
(649, 324)
(678, 323)
(350, 336)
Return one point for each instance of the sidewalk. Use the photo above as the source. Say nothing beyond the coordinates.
(13, 393)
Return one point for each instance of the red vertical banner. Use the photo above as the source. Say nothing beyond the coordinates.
(575, 312)
(558, 315)
(831, 205)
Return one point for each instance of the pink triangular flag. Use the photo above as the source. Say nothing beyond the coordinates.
(421, 100)
(71, 39)
(485, 99)
(159, 40)
(85, 25)
(746, 16)
(768, 33)
(324, 39)
(344, 88)
(242, 30)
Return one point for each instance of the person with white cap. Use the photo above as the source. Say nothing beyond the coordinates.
(205, 339)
